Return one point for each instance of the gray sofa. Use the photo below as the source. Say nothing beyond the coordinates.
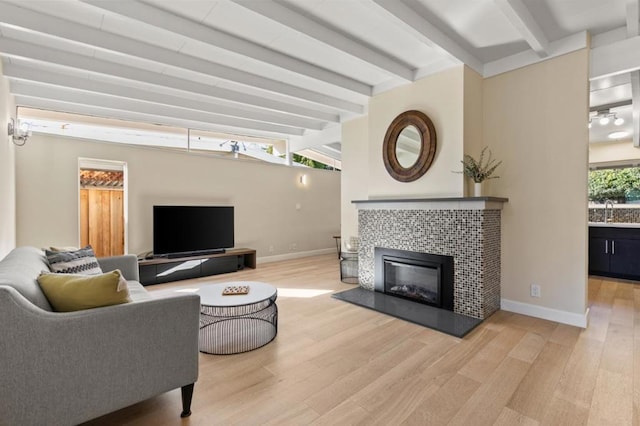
(67, 368)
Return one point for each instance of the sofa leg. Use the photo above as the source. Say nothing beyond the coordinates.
(187, 394)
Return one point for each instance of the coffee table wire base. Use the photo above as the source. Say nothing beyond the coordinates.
(226, 330)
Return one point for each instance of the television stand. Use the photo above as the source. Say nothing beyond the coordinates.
(165, 269)
(188, 254)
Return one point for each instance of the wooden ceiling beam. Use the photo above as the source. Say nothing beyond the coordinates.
(88, 36)
(615, 58)
(312, 139)
(20, 49)
(95, 86)
(522, 20)
(35, 90)
(423, 30)
(196, 31)
(286, 14)
(118, 114)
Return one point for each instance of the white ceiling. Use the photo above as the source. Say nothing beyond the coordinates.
(291, 69)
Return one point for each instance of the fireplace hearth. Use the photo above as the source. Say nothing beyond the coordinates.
(420, 277)
(399, 307)
(466, 230)
(406, 277)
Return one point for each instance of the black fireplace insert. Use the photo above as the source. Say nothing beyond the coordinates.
(420, 277)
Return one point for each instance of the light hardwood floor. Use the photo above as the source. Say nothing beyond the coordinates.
(334, 363)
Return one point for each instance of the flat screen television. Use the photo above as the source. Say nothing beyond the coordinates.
(185, 230)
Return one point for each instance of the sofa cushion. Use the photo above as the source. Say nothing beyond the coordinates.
(64, 248)
(19, 270)
(137, 292)
(74, 292)
(82, 261)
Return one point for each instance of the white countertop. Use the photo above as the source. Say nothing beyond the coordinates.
(614, 225)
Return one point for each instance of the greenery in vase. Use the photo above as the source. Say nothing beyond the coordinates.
(480, 170)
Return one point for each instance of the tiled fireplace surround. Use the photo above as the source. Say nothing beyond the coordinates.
(466, 228)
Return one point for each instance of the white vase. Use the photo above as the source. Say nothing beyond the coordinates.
(477, 189)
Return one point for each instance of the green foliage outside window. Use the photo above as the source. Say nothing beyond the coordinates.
(619, 185)
(301, 159)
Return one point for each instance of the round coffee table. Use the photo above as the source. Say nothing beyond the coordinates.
(237, 323)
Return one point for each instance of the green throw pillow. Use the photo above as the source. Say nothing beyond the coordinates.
(74, 292)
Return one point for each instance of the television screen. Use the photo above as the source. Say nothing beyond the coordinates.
(192, 229)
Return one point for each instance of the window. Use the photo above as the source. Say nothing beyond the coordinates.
(620, 185)
(160, 136)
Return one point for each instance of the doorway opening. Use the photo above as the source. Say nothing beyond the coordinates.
(103, 206)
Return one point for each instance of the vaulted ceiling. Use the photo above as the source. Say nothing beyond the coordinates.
(292, 69)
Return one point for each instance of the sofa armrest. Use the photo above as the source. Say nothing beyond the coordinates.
(67, 368)
(128, 265)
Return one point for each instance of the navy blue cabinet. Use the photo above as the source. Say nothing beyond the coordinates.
(625, 257)
(599, 258)
(614, 252)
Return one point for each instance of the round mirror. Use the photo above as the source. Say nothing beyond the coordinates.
(409, 146)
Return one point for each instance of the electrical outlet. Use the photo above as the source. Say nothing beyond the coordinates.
(535, 290)
(294, 247)
(270, 249)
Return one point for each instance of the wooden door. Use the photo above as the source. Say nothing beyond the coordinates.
(102, 221)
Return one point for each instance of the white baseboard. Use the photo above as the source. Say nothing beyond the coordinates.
(564, 317)
(296, 255)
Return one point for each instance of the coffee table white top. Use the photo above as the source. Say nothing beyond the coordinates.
(211, 294)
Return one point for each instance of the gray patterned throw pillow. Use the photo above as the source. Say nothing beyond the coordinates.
(82, 261)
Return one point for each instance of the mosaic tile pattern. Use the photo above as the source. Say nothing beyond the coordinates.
(472, 237)
(620, 215)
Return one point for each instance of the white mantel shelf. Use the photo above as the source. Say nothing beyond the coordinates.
(448, 203)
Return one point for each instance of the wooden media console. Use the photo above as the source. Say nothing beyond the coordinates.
(163, 270)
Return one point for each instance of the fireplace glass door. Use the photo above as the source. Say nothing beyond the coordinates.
(418, 282)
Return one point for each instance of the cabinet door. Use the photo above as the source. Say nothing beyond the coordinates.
(625, 257)
(599, 249)
(147, 274)
(176, 271)
(219, 265)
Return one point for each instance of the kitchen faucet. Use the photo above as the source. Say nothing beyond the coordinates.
(608, 215)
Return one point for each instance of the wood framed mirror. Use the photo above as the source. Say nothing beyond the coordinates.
(409, 146)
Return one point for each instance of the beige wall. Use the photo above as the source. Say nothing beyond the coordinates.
(544, 175)
(440, 96)
(544, 171)
(265, 196)
(7, 171)
(613, 153)
(354, 184)
(473, 121)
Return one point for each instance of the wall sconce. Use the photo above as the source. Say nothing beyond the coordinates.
(18, 134)
(303, 180)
